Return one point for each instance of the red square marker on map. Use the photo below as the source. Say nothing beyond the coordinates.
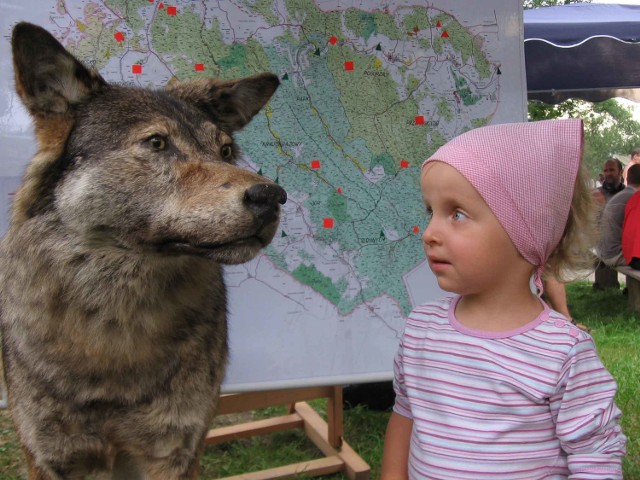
(404, 164)
(419, 119)
(172, 11)
(119, 36)
(315, 164)
(348, 66)
(137, 69)
(199, 67)
(333, 40)
(327, 223)
(416, 229)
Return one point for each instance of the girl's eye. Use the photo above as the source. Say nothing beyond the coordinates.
(226, 151)
(458, 215)
(429, 213)
(158, 142)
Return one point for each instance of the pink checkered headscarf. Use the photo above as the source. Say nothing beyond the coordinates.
(526, 173)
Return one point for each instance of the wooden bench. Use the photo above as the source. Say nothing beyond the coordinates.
(633, 285)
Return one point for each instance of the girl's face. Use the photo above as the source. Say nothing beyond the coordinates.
(468, 250)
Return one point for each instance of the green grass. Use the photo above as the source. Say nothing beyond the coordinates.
(615, 329)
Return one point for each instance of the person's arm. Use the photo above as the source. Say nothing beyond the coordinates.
(395, 456)
(556, 295)
(598, 198)
(587, 419)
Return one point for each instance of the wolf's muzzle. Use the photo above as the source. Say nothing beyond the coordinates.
(263, 200)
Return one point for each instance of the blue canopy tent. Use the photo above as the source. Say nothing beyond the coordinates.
(583, 50)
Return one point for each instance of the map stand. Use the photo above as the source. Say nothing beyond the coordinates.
(327, 436)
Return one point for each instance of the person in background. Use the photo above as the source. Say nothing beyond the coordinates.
(492, 383)
(631, 232)
(606, 277)
(609, 248)
(612, 183)
(634, 160)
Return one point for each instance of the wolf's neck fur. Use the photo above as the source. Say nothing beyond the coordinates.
(164, 286)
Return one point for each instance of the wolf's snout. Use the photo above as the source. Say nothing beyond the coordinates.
(263, 200)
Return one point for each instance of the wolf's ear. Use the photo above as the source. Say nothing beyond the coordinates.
(230, 104)
(48, 78)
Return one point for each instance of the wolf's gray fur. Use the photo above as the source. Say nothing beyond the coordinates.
(112, 300)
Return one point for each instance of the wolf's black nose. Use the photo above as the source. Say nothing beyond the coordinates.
(263, 200)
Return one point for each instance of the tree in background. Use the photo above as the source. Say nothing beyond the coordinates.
(549, 3)
(609, 126)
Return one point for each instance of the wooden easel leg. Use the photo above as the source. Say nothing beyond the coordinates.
(327, 436)
(317, 431)
(335, 417)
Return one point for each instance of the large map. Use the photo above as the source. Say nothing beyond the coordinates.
(368, 90)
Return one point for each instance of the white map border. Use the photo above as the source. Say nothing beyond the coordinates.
(324, 347)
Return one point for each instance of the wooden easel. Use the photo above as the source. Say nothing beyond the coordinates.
(327, 436)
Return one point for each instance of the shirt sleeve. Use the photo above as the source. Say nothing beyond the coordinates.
(587, 419)
(401, 406)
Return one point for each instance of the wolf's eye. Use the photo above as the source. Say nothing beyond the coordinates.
(158, 142)
(226, 151)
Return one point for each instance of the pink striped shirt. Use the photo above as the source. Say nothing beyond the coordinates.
(535, 403)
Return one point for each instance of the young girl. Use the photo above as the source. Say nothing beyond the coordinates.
(492, 383)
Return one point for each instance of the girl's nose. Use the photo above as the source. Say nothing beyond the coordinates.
(430, 234)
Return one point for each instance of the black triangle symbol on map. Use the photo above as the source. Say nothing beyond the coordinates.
(499, 72)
